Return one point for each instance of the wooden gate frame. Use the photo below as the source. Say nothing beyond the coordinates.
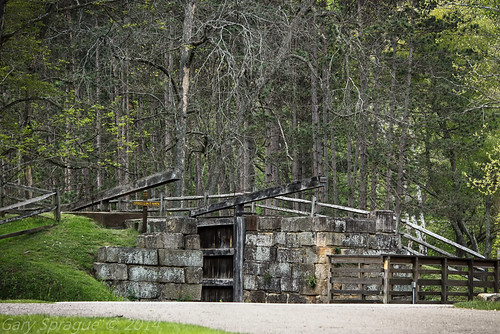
(239, 229)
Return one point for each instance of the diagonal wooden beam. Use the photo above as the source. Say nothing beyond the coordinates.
(145, 183)
(294, 187)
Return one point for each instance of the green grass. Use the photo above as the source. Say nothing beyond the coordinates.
(72, 325)
(56, 264)
(479, 305)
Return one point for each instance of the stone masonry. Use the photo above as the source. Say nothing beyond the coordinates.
(286, 259)
(166, 264)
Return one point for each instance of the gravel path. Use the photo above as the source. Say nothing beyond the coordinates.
(284, 318)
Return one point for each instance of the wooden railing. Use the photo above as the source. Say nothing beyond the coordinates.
(411, 279)
(45, 201)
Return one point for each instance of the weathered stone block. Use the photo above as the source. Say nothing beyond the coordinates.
(296, 299)
(280, 298)
(257, 297)
(264, 240)
(319, 224)
(191, 292)
(335, 225)
(171, 291)
(161, 240)
(289, 284)
(280, 269)
(297, 224)
(291, 255)
(311, 255)
(360, 225)
(272, 224)
(170, 240)
(321, 271)
(306, 239)
(356, 240)
(250, 282)
(385, 241)
(180, 258)
(108, 254)
(138, 256)
(110, 271)
(263, 254)
(192, 241)
(324, 239)
(171, 275)
(255, 268)
(279, 238)
(324, 252)
(143, 273)
(184, 225)
(251, 239)
(302, 270)
(194, 275)
(292, 240)
(138, 290)
(384, 221)
(269, 284)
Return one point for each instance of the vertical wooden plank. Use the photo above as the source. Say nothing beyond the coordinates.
(144, 212)
(387, 263)
(471, 279)
(416, 274)
(57, 203)
(496, 275)
(239, 246)
(162, 203)
(444, 280)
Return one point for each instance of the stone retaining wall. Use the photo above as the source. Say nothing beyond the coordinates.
(286, 259)
(166, 265)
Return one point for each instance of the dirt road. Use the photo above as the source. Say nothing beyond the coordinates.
(284, 318)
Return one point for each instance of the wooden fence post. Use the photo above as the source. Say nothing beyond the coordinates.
(144, 212)
(57, 203)
(239, 235)
(386, 288)
(444, 280)
(471, 280)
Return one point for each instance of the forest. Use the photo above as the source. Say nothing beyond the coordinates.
(396, 102)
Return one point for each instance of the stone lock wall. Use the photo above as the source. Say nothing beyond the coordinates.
(286, 259)
(166, 264)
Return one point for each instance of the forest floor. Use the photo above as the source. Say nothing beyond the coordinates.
(284, 318)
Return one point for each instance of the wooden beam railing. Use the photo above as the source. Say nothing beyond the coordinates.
(47, 202)
(440, 238)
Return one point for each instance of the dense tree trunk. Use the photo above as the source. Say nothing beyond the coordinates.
(181, 119)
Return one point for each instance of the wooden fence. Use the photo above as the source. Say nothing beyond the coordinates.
(38, 201)
(411, 279)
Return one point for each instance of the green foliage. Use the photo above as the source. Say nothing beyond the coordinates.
(489, 183)
(56, 265)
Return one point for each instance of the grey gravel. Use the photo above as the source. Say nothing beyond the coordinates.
(284, 318)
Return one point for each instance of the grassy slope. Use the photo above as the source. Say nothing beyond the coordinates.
(56, 265)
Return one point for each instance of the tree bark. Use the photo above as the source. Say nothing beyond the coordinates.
(181, 120)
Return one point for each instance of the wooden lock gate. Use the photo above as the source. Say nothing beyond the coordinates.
(222, 240)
